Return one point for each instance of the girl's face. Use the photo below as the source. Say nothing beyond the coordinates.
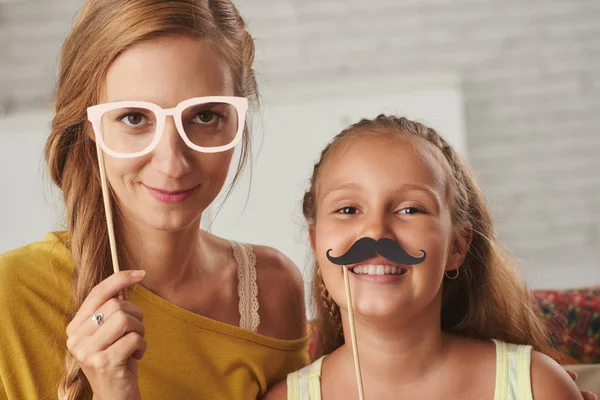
(379, 186)
(169, 188)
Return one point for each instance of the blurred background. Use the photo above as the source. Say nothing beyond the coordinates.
(514, 85)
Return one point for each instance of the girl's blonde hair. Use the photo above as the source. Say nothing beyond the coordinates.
(103, 30)
(488, 299)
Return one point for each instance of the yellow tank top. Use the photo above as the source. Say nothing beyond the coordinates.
(512, 376)
(188, 356)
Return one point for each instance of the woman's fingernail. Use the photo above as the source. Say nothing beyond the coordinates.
(138, 273)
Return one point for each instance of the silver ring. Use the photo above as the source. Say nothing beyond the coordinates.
(97, 318)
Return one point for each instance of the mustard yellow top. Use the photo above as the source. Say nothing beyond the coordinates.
(188, 356)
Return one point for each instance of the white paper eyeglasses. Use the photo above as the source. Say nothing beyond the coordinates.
(129, 129)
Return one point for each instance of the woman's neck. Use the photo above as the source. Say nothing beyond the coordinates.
(170, 259)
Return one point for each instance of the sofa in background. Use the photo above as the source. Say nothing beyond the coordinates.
(573, 323)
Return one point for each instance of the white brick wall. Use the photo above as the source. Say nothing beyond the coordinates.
(531, 71)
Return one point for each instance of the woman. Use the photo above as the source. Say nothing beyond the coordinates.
(210, 317)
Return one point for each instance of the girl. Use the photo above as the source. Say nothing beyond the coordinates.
(165, 85)
(423, 327)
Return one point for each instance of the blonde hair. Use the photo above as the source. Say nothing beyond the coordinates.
(103, 30)
(488, 299)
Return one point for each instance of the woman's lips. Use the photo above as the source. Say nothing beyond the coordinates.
(170, 197)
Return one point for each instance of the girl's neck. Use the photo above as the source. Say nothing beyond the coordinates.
(397, 353)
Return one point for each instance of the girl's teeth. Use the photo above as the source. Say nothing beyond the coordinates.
(378, 270)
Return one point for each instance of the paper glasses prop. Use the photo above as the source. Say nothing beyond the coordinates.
(360, 251)
(129, 129)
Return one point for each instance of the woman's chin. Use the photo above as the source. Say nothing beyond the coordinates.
(173, 223)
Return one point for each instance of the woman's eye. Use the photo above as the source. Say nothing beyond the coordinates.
(133, 119)
(409, 210)
(205, 117)
(347, 210)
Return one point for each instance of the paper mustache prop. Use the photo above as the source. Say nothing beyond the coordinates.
(363, 249)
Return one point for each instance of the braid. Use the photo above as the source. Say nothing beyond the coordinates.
(332, 308)
(329, 318)
(74, 384)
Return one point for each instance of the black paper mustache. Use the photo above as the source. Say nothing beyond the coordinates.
(365, 248)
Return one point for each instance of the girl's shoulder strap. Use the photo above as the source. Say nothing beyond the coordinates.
(305, 384)
(513, 371)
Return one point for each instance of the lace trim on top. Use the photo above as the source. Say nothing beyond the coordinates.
(247, 286)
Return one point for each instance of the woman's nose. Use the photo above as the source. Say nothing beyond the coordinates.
(171, 154)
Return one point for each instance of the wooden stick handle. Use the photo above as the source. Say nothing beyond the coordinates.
(361, 394)
(108, 213)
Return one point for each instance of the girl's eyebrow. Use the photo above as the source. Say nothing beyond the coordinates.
(403, 187)
(419, 187)
(423, 188)
(345, 186)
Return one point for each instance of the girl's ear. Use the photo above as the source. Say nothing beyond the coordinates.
(460, 247)
(311, 237)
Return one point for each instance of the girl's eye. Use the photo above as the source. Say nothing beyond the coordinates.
(347, 210)
(409, 210)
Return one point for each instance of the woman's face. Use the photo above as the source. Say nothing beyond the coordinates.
(169, 188)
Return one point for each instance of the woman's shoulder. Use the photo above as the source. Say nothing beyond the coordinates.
(271, 264)
(36, 299)
(37, 267)
(52, 248)
(280, 293)
(274, 265)
(280, 289)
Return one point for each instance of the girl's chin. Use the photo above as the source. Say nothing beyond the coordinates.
(382, 311)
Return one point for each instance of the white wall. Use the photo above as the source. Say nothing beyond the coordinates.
(29, 205)
(298, 121)
(530, 74)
